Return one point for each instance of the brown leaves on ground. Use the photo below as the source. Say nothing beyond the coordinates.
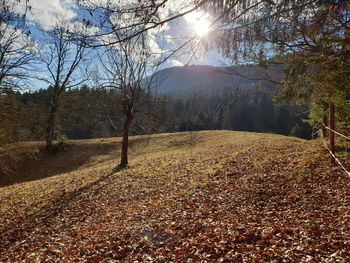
(200, 197)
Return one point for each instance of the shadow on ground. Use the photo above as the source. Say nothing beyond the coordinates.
(42, 164)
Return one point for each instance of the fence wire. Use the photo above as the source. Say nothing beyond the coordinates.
(329, 150)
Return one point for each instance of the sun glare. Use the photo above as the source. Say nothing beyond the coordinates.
(201, 27)
(199, 23)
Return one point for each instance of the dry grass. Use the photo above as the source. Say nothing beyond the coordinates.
(86, 161)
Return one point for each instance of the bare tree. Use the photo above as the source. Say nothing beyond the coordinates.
(128, 68)
(64, 52)
(17, 54)
(17, 49)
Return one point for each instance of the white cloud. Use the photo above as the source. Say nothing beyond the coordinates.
(176, 63)
(46, 12)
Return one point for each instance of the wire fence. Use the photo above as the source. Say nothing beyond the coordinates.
(347, 138)
(338, 133)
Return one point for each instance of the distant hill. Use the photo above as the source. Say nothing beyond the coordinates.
(189, 79)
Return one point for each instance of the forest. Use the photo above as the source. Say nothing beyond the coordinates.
(88, 113)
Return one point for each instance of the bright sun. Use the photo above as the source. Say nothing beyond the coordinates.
(199, 23)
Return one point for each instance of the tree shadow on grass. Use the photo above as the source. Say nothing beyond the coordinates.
(45, 164)
(19, 229)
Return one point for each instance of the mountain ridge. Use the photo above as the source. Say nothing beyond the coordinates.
(204, 78)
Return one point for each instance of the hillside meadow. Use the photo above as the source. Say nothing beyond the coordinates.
(209, 196)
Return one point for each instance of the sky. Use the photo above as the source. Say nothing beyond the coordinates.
(44, 13)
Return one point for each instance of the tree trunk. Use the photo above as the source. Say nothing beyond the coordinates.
(125, 142)
(332, 128)
(50, 130)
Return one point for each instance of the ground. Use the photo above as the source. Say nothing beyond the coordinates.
(212, 196)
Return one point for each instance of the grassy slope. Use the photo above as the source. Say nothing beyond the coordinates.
(214, 195)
